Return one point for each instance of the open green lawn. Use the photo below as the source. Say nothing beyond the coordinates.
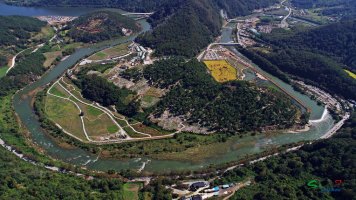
(101, 126)
(111, 52)
(153, 132)
(72, 46)
(100, 55)
(59, 91)
(94, 111)
(3, 71)
(66, 114)
(131, 191)
(132, 133)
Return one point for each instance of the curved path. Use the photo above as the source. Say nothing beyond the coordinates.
(13, 61)
(107, 112)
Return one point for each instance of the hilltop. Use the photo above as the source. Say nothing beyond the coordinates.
(102, 25)
(325, 52)
(233, 7)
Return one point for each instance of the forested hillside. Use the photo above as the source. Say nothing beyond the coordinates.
(16, 30)
(345, 8)
(181, 27)
(99, 26)
(233, 7)
(337, 40)
(232, 107)
(26, 70)
(286, 176)
(242, 7)
(190, 28)
(21, 180)
(317, 56)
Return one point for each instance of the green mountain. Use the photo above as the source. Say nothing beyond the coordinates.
(317, 56)
(236, 106)
(16, 30)
(233, 7)
(99, 26)
(186, 31)
(345, 8)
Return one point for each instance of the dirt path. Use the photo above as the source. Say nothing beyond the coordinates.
(111, 116)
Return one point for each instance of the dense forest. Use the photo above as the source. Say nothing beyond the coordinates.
(16, 30)
(344, 8)
(185, 27)
(317, 56)
(27, 70)
(181, 27)
(242, 7)
(189, 29)
(336, 40)
(22, 180)
(98, 89)
(233, 7)
(99, 26)
(232, 107)
(286, 176)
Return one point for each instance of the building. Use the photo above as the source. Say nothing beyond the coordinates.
(197, 185)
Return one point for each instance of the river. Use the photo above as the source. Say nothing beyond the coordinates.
(239, 147)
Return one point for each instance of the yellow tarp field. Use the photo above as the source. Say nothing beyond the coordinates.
(221, 70)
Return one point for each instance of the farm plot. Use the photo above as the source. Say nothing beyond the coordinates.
(112, 52)
(51, 57)
(221, 70)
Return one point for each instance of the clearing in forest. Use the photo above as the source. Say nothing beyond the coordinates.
(131, 190)
(221, 70)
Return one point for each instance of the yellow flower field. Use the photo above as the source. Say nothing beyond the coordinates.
(221, 70)
(351, 74)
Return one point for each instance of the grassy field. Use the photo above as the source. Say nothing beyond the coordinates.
(3, 71)
(131, 191)
(132, 133)
(66, 114)
(51, 57)
(46, 33)
(112, 52)
(351, 74)
(59, 91)
(101, 126)
(145, 129)
(72, 46)
(221, 70)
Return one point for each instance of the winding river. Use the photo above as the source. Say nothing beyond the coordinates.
(239, 147)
